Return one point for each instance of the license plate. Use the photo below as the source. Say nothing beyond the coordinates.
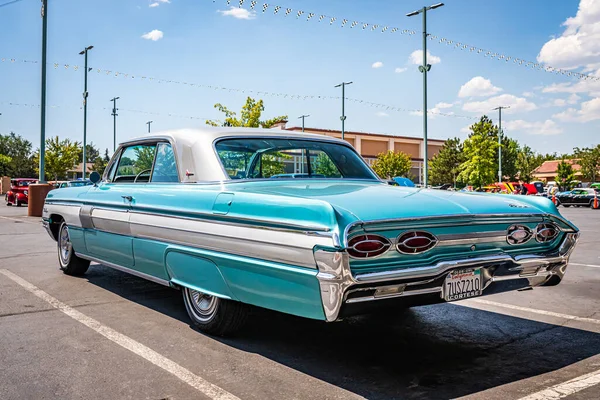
(462, 284)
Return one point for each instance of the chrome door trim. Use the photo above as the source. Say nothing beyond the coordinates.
(125, 269)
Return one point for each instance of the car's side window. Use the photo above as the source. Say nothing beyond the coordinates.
(165, 165)
(135, 164)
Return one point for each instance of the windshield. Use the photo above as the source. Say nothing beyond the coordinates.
(261, 158)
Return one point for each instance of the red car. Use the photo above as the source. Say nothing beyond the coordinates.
(18, 193)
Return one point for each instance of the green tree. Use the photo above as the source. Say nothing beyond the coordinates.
(145, 158)
(106, 156)
(324, 166)
(589, 160)
(564, 175)
(273, 164)
(18, 149)
(91, 153)
(249, 116)
(5, 165)
(526, 163)
(445, 166)
(509, 147)
(391, 164)
(99, 165)
(61, 156)
(479, 168)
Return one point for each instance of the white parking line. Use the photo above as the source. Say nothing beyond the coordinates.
(198, 383)
(534, 311)
(567, 388)
(585, 265)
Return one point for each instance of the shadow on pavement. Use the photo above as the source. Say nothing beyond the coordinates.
(433, 352)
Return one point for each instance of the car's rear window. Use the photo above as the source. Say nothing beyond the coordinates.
(280, 158)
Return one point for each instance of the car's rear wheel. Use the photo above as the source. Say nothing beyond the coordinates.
(214, 315)
(70, 264)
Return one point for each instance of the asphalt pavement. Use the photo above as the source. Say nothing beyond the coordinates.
(110, 335)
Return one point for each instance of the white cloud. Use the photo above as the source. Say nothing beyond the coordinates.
(157, 3)
(572, 99)
(377, 64)
(239, 13)
(589, 111)
(517, 104)
(435, 111)
(382, 114)
(559, 103)
(478, 86)
(547, 127)
(444, 105)
(153, 35)
(416, 57)
(400, 70)
(528, 94)
(579, 44)
(465, 129)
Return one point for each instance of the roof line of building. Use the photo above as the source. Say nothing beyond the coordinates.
(297, 128)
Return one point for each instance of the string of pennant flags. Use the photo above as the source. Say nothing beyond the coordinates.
(343, 22)
(237, 90)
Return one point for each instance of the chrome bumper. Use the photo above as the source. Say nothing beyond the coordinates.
(339, 287)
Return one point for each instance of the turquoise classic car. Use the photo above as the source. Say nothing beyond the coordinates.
(296, 223)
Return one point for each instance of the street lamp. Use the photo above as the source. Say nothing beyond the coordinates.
(500, 108)
(148, 123)
(300, 117)
(114, 114)
(42, 173)
(424, 69)
(343, 117)
(84, 52)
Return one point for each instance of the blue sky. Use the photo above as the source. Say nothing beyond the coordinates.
(213, 44)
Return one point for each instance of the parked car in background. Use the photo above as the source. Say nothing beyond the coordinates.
(579, 198)
(76, 183)
(207, 211)
(19, 191)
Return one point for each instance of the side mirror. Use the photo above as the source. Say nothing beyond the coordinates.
(95, 177)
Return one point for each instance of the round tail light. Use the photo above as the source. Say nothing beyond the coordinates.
(414, 242)
(367, 246)
(518, 234)
(546, 232)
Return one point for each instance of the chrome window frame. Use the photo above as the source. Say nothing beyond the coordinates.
(145, 141)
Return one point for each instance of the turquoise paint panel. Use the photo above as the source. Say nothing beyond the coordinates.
(77, 239)
(111, 247)
(196, 272)
(280, 287)
(223, 203)
(150, 257)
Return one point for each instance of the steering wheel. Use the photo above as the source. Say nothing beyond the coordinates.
(141, 172)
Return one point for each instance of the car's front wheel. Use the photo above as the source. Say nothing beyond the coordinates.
(69, 263)
(214, 315)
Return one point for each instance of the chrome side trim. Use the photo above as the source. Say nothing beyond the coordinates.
(85, 216)
(125, 269)
(69, 212)
(111, 221)
(436, 289)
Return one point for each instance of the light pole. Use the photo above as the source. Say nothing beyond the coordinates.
(424, 69)
(42, 165)
(84, 52)
(148, 123)
(500, 108)
(114, 114)
(300, 117)
(343, 117)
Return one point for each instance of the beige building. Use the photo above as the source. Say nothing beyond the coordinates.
(369, 145)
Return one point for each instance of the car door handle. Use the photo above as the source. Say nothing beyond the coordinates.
(128, 198)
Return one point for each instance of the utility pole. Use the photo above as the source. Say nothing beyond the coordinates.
(424, 69)
(84, 52)
(343, 117)
(114, 114)
(42, 164)
(300, 117)
(500, 108)
(148, 123)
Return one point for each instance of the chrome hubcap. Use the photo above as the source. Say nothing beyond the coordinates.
(204, 304)
(65, 245)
